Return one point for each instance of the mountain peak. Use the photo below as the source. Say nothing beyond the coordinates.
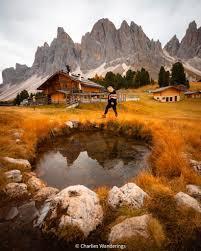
(61, 33)
(193, 25)
(124, 24)
(190, 42)
(103, 23)
(172, 46)
(46, 44)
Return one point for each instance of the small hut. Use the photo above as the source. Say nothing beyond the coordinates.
(167, 94)
(193, 94)
(64, 87)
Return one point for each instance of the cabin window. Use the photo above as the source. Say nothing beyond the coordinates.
(170, 99)
(167, 99)
(175, 98)
(163, 98)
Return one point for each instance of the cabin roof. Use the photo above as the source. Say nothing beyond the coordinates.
(191, 92)
(82, 81)
(165, 88)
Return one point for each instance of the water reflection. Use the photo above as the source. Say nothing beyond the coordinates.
(91, 159)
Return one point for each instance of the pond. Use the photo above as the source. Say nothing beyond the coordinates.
(92, 159)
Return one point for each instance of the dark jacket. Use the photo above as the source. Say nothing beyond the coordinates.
(112, 98)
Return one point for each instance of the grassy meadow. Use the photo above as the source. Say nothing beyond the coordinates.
(175, 132)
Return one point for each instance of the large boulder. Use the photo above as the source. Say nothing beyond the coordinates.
(14, 176)
(135, 226)
(129, 194)
(184, 199)
(45, 193)
(75, 206)
(28, 212)
(21, 162)
(8, 213)
(16, 190)
(34, 184)
(194, 190)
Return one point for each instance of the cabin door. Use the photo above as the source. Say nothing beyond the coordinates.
(175, 98)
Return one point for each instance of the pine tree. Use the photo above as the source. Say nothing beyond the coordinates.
(17, 100)
(21, 96)
(167, 78)
(147, 78)
(109, 79)
(162, 77)
(137, 82)
(118, 81)
(24, 95)
(152, 81)
(178, 74)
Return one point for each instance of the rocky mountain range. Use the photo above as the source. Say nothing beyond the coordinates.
(104, 48)
(190, 47)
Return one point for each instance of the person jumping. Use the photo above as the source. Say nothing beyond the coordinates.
(112, 101)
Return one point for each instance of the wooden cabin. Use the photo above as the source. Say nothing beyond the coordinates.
(61, 87)
(193, 94)
(167, 94)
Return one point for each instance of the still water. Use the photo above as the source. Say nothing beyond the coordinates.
(90, 158)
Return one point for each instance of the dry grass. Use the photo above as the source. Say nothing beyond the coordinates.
(154, 242)
(182, 226)
(173, 132)
(3, 180)
(173, 129)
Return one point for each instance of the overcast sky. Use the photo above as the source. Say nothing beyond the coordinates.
(25, 24)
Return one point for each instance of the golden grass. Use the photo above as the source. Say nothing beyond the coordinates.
(172, 130)
(155, 241)
(181, 225)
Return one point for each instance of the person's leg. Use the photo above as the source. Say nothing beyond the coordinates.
(107, 108)
(115, 109)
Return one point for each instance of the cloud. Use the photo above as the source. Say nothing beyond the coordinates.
(25, 24)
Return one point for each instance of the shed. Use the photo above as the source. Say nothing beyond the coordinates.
(167, 94)
(193, 94)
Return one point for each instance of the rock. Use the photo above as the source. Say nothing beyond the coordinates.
(184, 199)
(28, 212)
(22, 162)
(12, 213)
(129, 194)
(8, 213)
(15, 75)
(196, 165)
(17, 133)
(69, 124)
(62, 51)
(72, 124)
(34, 184)
(29, 175)
(44, 193)
(16, 190)
(194, 190)
(130, 228)
(190, 44)
(105, 48)
(75, 206)
(14, 176)
(105, 45)
(172, 46)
